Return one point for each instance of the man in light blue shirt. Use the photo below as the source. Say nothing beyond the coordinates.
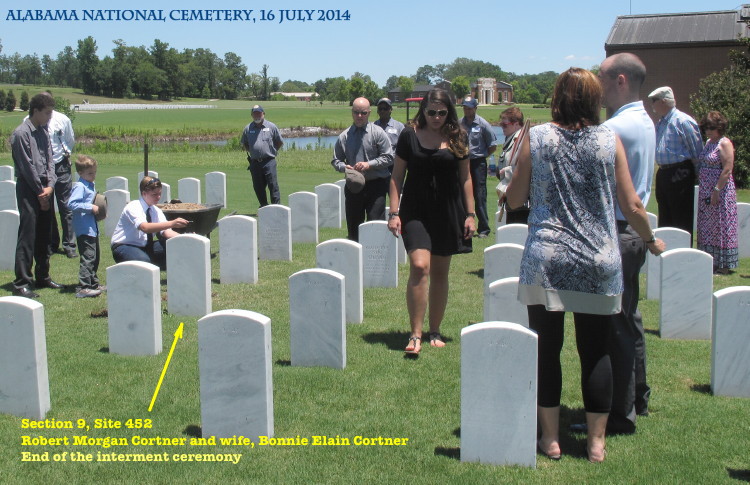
(622, 76)
(482, 144)
(678, 146)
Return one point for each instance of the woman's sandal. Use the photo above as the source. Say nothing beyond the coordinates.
(436, 340)
(411, 347)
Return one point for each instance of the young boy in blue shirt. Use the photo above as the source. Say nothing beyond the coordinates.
(81, 204)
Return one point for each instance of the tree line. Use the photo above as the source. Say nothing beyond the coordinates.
(162, 72)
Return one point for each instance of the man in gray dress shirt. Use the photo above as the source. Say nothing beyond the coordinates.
(35, 172)
(365, 148)
(482, 144)
(262, 140)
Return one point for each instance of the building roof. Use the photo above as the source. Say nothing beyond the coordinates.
(720, 27)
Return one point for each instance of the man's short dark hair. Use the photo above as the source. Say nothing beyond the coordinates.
(629, 65)
(41, 101)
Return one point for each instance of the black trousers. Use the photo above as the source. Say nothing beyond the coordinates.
(88, 249)
(32, 245)
(592, 332)
(264, 175)
(675, 190)
(627, 344)
(370, 202)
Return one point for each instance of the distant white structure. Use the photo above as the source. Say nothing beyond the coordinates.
(117, 107)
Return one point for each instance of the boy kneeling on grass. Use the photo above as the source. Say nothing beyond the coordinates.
(81, 204)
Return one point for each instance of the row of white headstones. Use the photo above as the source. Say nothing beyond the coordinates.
(499, 428)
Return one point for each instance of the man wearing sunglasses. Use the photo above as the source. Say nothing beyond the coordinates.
(482, 144)
(391, 127)
(365, 150)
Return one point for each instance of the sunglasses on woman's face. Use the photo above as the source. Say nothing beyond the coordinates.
(437, 112)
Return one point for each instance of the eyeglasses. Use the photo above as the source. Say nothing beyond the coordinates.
(360, 113)
(384, 108)
(154, 181)
(436, 112)
(709, 127)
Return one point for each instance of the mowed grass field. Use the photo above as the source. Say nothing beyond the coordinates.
(691, 436)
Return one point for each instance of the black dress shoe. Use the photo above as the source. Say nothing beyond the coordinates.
(71, 254)
(48, 283)
(25, 292)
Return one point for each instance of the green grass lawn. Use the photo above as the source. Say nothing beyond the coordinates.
(690, 436)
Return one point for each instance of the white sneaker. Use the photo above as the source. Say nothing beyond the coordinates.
(88, 293)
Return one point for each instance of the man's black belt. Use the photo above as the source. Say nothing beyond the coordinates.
(667, 165)
(262, 160)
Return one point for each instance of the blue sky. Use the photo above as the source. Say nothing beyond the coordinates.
(380, 39)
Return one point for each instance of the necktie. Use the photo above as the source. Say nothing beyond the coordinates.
(149, 235)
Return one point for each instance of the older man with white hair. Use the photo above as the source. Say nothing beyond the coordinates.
(678, 145)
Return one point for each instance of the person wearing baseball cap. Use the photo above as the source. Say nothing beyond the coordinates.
(261, 140)
(391, 127)
(482, 144)
(678, 145)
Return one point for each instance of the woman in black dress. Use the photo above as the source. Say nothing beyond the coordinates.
(435, 212)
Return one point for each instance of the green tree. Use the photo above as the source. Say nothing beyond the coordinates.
(406, 84)
(24, 102)
(356, 88)
(264, 82)
(2, 98)
(460, 86)
(63, 106)
(87, 62)
(728, 91)
(10, 101)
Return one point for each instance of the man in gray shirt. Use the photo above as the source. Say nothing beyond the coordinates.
(32, 155)
(391, 127)
(482, 144)
(262, 140)
(366, 149)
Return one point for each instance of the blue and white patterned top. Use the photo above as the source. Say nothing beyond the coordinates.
(572, 257)
(678, 138)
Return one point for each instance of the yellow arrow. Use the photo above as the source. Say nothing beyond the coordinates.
(177, 335)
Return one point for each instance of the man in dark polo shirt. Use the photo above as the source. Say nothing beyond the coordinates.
(262, 140)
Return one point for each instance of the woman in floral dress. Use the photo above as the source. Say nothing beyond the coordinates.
(717, 204)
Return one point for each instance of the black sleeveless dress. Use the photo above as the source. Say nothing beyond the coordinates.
(432, 210)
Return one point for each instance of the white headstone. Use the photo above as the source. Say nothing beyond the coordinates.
(116, 201)
(501, 303)
(275, 232)
(329, 205)
(166, 193)
(317, 327)
(117, 183)
(342, 183)
(9, 221)
(134, 308)
(8, 195)
(730, 352)
(674, 239)
(743, 229)
(236, 385)
(151, 173)
(512, 233)
(379, 258)
(189, 275)
(403, 257)
(502, 261)
(498, 394)
(304, 207)
(216, 188)
(24, 380)
(7, 172)
(238, 249)
(345, 257)
(189, 190)
(686, 291)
